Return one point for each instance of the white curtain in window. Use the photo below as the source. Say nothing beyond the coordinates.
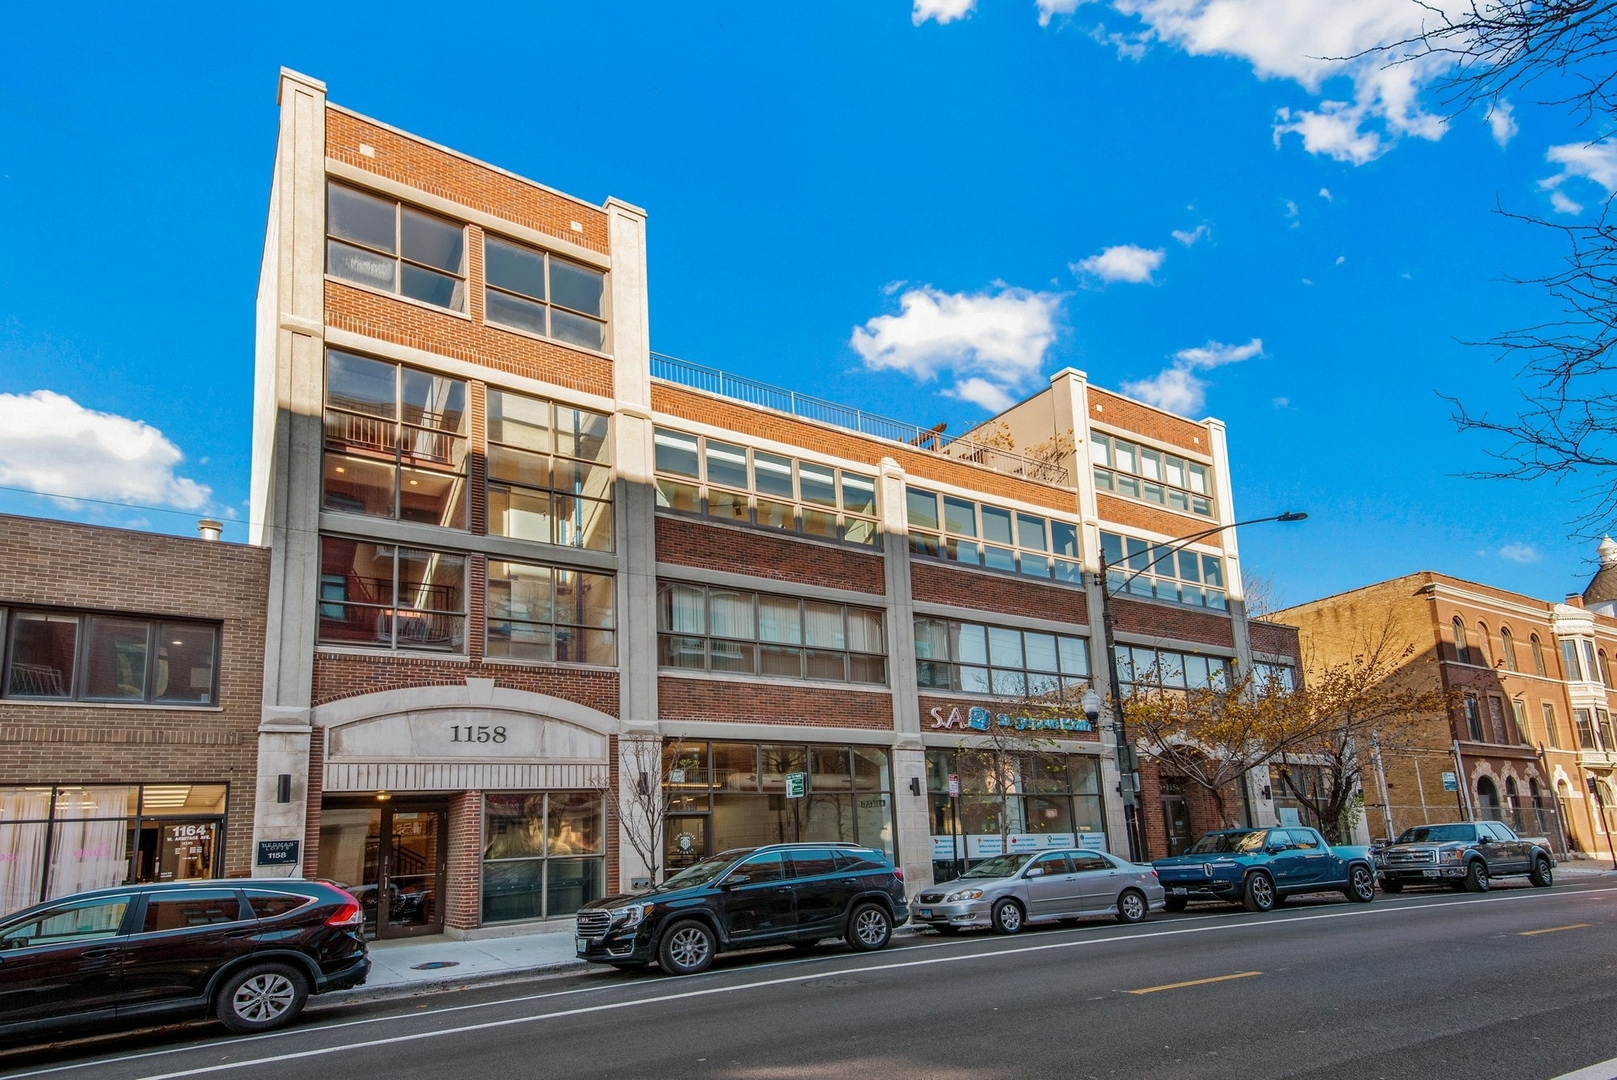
(90, 848)
(22, 846)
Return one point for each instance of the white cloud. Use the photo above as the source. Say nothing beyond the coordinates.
(1325, 193)
(943, 11)
(1282, 403)
(1310, 43)
(1340, 259)
(1501, 120)
(1564, 205)
(1178, 388)
(1590, 161)
(992, 344)
(1291, 208)
(1520, 553)
(1125, 262)
(1189, 238)
(1048, 9)
(51, 443)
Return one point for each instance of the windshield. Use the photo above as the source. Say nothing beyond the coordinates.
(998, 867)
(1438, 834)
(699, 874)
(1220, 843)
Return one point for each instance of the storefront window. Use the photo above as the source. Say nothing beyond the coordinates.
(60, 840)
(543, 854)
(1036, 800)
(731, 795)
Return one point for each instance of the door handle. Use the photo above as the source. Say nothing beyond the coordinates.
(96, 954)
(783, 888)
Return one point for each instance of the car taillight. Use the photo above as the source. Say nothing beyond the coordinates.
(349, 915)
(1153, 871)
(898, 872)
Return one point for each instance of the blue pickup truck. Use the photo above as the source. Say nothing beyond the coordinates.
(1259, 868)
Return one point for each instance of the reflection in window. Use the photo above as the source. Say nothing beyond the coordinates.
(977, 534)
(376, 241)
(543, 854)
(1171, 670)
(548, 613)
(1159, 572)
(975, 659)
(1158, 476)
(109, 658)
(549, 472)
(391, 597)
(544, 294)
(729, 630)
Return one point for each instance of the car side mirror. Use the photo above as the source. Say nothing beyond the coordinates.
(735, 879)
(1275, 849)
(1036, 871)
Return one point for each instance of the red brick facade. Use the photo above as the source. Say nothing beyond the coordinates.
(1151, 424)
(1173, 621)
(341, 675)
(766, 555)
(684, 698)
(54, 564)
(463, 870)
(937, 582)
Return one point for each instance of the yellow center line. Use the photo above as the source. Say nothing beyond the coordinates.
(1195, 982)
(1553, 929)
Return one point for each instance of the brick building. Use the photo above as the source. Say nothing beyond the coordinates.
(1532, 688)
(509, 543)
(129, 707)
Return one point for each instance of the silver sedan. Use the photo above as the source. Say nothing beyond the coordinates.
(1007, 892)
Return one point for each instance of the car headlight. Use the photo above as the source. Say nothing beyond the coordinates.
(1455, 856)
(630, 916)
(963, 894)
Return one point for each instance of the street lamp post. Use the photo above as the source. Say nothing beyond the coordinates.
(1127, 769)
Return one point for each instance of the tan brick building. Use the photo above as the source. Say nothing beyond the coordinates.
(508, 540)
(130, 685)
(1531, 724)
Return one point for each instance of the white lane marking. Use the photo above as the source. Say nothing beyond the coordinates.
(763, 983)
(1606, 1070)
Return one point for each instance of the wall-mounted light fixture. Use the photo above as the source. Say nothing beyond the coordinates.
(283, 788)
(915, 785)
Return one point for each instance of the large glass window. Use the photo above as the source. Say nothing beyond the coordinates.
(1000, 661)
(978, 534)
(543, 294)
(735, 483)
(1036, 799)
(59, 840)
(550, 613)
(549, 472)
(740, 790)
(391, 597)
(544, 854)
(706, 628)
(1583, 720)
(395, 441)
(376, 241)
(75, 657)
(1142, 472)
(1569, 660)
(1183, 576)
(1171, 670)
(1551, 731)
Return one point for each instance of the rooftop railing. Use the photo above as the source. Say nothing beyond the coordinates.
(713, 381)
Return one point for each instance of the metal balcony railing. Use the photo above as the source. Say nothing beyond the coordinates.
(713, 381)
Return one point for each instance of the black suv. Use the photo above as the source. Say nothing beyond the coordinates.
(250, 952)
(782, 894)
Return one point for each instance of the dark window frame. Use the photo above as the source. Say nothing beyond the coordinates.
(77, 692)
(548, 301)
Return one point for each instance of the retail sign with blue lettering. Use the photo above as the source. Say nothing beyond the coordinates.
(279, 852)
(977, 718)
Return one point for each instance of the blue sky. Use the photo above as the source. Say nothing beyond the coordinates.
(1103, 185)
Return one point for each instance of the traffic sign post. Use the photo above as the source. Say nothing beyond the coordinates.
(1450, 782)
(954, 808)
(796, 785)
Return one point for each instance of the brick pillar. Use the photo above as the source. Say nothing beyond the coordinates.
(463, 868)
(316, 788)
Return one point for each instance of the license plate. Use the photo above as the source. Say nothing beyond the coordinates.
(1429, 873)
(926, 913)
(1177, 892)
(581, 944)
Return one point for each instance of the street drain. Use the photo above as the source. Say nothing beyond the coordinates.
(434, 965)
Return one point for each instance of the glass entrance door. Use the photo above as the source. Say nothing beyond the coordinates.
(684, 843)
(391, 857)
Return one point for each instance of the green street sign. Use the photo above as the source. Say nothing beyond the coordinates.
(796, 784)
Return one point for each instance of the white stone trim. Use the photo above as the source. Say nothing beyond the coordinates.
(458, 776)
(474, 694)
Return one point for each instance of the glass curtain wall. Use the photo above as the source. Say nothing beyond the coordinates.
(544, 854)
(1040, 799)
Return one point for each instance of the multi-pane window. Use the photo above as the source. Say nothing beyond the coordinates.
(975, 659)
(1462, 652)
(1605, 669)
(1153, 475)
(549, 472)
(1507, 649)
(1171, 670)
(1274, 676)
(538, 292)
(699, 475)
(544, 854)
(1538, 654)
(1155, 570)
(391, 597)
(1603, 722)
(1569, 660)
(1551, 732)
(1584, 722)
(977, 534)
(1473, 718)
(387, 245)
(549, 613)
(1016, 794)
(706, 628)
(66, 656)
(395, 441)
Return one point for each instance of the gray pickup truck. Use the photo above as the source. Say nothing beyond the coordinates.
(1462, 855)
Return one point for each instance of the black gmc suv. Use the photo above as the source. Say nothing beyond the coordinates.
(780, 894)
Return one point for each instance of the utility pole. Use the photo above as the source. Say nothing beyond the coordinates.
(1127, 765)
(1381, 775)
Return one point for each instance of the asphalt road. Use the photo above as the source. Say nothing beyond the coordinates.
(1519, 983)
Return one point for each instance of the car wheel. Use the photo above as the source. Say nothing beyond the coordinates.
(869, 928)
(1175, 903)
(1006, 917)
(1542, 874)
(1131, 906)
(1361, 885)
(1259, 894)
(1390, 886)
(687, 948)
(262, 997)
(1476, 876)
